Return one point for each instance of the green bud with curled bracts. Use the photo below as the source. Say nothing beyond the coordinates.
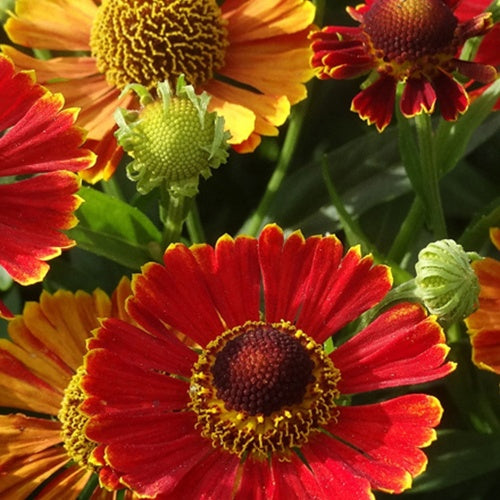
(445, 281)
(173, 139)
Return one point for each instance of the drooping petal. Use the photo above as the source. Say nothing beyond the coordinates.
(486, 349)
(451, 96)
(375, 104)
(487, 315)
(402, 346)
(418, 96)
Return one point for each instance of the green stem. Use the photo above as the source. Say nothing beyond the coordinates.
(194, 226)
(408, 231)
(173, 213)
(429, 173)
(257, 220)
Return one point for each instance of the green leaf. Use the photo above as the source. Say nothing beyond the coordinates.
(113, 229)
(457, 456)
(477, 232)
(452, 138)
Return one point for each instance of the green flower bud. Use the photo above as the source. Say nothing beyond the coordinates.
(173, 139)
(446, 282)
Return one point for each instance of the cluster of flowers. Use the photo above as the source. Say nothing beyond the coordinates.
(210, 374)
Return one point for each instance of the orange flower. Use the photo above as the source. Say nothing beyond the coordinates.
(36, 366)
(484, 324)
(250, 56)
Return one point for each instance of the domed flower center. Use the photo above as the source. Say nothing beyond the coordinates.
(79, 448)
(262, 371)
(407, 30)
(263, 388)
(149, 41)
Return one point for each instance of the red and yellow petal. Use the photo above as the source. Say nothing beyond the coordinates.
(451, 96)
(20, 388)
(486, 349)
(32, 214)
(19, 92)
(418, 96)
(21, 435)
(402, 346)
(44, 140)
(46, 24)
(487, 316)
(375, 104)
(48, 343)
(213, 275)
(163, 352)
(308, 281)
(151, 470)
(134, 387)
(381, 442)
(340, 53)
(31, 471)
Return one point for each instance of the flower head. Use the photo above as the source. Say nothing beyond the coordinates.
(415, 42)
(37, 364)
(445, 280)
(173, 140)
(484, 324)
(250, 56)
(41, 144)
(230, 389)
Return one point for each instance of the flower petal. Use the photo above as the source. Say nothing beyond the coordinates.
(486, 350)
(451, 96)
(45, 24)
(375, 104)
(418, 96)
(402, 346)
(380, 442)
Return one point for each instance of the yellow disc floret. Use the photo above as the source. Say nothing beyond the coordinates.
(262, 389)
(73, 422)
(149, 41)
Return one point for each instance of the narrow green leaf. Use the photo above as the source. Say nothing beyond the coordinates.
(456, 457)
(452, 138)
(113, 229)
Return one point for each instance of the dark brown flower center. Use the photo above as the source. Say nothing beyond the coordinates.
(261, 371)
(261, 389)
(407, 30)
(150, 41)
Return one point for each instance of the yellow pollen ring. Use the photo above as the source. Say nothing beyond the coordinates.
(260, 435)
(150, 41)
(73, 422)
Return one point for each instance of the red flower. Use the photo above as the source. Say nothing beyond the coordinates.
(41, 143)
(224, 388)
(484, 323)
(487, 52)
(411, 41)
